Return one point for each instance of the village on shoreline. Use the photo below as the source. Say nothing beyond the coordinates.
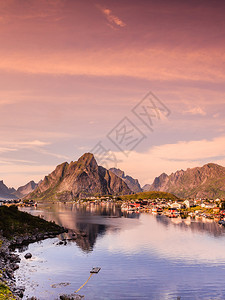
(202, 210)
(199, 209)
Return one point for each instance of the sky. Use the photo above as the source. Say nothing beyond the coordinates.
(140, 84)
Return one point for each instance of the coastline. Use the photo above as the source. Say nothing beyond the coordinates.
(9, 261)
(10, 240)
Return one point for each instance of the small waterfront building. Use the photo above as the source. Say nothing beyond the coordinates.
(176, 205)
(216, 210)
(208, 205)
(189, 203)
(222, 212)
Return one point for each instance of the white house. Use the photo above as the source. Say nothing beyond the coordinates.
(176, 205)
(189, 203)
(208, 205)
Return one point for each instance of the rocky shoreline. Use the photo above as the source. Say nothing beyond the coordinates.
(8, 264)
(17, 230)
(9, 261)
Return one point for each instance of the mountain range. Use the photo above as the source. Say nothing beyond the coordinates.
(11, 193)
(84, 178)
(79, 179)
(200, 182)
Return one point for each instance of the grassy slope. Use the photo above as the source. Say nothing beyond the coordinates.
(49, 195)
(14, 222)
(150, 195)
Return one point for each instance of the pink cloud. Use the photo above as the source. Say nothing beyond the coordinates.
(112, 19)
(155, 63)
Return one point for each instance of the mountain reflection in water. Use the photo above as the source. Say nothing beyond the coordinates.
(142, 256)
(200, 225)
(95, 220)
(86, 218)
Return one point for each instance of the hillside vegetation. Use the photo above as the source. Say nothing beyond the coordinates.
(14, 223)
(150, 195)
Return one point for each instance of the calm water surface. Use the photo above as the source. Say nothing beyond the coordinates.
(141, 256)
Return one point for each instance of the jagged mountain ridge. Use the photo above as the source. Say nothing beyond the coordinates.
(26, 189)
(79, 179)
(5, 192)
(12, 194)
(132, 183)
(200, 182)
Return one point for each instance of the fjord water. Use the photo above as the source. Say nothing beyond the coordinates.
(142, 256)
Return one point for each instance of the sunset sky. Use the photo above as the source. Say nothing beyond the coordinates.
(73, 72)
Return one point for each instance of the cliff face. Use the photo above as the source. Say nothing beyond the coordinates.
(79, 179)
(132, 183)
(158, 185)
(201, 182)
